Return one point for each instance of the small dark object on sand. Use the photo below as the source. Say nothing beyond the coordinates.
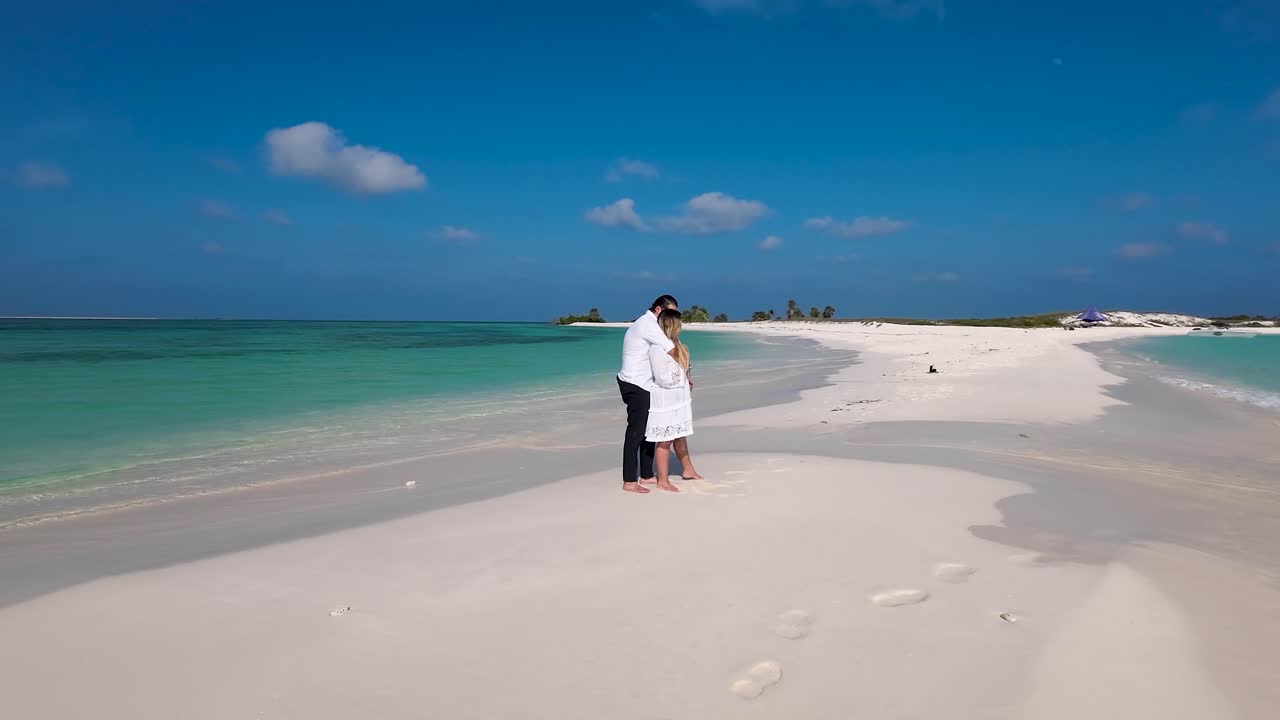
(1024, 435)
(933, 370)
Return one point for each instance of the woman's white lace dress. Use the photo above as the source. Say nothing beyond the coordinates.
(670, 402)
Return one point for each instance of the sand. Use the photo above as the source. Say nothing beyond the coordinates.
(793, 583)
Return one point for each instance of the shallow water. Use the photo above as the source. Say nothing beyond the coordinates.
(93, 404)
(1242, 369)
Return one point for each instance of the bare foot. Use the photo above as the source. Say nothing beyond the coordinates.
(634, 487)
(692, 475)
(666, 485)
(648, 481)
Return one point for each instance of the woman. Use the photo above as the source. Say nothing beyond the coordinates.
(670, 404)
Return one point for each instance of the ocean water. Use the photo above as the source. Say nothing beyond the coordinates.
(88, 405)
(1241, 369)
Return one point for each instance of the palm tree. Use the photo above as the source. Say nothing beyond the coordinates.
(721, 318)
(829, 312)
(815, 313)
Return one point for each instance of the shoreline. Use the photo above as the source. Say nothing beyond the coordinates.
(1200, 381)
(45, 553)
(878, 540)
(311, 442)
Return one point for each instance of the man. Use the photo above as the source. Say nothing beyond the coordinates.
(635, 380)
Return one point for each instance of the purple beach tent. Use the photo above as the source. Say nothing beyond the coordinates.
(1092, 315)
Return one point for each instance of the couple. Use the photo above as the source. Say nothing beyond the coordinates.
(656, 387)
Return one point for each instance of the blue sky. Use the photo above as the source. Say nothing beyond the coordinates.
(501, 160)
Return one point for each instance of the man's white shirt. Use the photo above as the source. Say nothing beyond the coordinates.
(636, 368)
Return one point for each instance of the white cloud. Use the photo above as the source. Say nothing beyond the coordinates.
(215, 209)
(460, 235)
(859, 227)
(1269, 109)
(627, 167)
(1075, 273)
(715, 212)
(618, 214)
(893, 9)
(277, 217)
(773, 242)
(1136, 251)
(313, 149)
(1203, 231)
(711, 212)
(42, 175)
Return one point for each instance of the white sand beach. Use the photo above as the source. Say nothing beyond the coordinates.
(800, 580)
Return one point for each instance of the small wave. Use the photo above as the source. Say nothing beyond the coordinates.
(1257, 398)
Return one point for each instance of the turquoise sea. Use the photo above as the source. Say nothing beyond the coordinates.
(1243, 369)
(91, 403)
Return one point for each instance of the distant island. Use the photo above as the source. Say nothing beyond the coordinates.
(699, 314)
(1066, 319)
(592, 316)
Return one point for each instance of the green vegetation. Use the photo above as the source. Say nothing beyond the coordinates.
(699, 314)
(1021, 321)
(696, 314)
(592, 316)
(795, 312)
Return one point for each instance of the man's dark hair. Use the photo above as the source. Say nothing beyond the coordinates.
(662, 302)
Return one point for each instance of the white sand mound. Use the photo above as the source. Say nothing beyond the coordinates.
(1124, 318)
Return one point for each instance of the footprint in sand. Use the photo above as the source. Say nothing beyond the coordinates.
(953, 572)
(761, 676)
(794, 624)
(899, 596)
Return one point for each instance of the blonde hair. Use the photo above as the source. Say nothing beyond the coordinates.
(670, 322)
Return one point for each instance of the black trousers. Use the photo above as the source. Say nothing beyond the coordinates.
(637, 455)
